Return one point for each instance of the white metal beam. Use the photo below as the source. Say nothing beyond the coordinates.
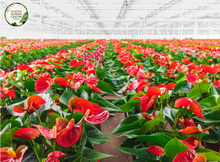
(129, 20)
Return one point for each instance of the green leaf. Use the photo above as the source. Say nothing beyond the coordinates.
(131, 103)
(152, 123)
(38, 150)
(66, 96)
(161, 68)
(185, 88)
(82, 93)
(160, 139)
(172, 112)
(211, 117)
(14, 123)
(129, 123)
(6, 129)
(92, 155)
(105, 87)
(107, 104)
(30, 158)
(29, 84)
(198, 89)
(131, 134)
(56, 96)
(212, 137)
(77, 116)
(141, 153)
(95, 135)
(85, 88)
(209, 154)
(173, 147)
(52, 119)
(208, 102)
(215, 91)
(75, 158)
(5, 140)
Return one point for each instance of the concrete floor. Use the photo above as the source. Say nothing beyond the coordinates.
(109, 147)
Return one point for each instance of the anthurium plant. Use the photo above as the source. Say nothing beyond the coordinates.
(25, 51)
(54, 109)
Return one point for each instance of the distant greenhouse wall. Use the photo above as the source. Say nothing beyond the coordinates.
(117, 19)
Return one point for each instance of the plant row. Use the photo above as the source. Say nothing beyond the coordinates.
(22, 55)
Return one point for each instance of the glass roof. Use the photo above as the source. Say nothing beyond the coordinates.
(116, 19)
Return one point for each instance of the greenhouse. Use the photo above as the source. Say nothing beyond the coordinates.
(104, 81)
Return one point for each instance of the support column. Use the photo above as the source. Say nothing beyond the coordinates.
(127, 30)
(41, 21)
(144, 18)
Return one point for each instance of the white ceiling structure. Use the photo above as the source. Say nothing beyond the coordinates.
(116, 19)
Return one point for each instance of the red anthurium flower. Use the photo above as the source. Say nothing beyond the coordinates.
(154, 90)
(98, 116)
(27, 133)
(190, 105)
(132, 86)
(189, 156)
(173, 65)
(191, 142)
(57, 101)
(192, 66)
(190, 130)
(54, 157)
(60, 81)
(163, 89)
(187, 122)
(132, 70)
(130, 63)
(6, 92)
(33, 73)
(80, 104)
(76, 78)
(147, 101)
(65, 133)
(149, 75)
(191, 77)
(95, 115)
(147, 116)
(181, 68)
(24, 67)
(8, 154)
(216, 83)
(170, 86)
(88, 67)
(140, 66)
(45, 75)
(76, 63)
(156, 150)
(42, 62)
(30, 105)
(43, 84)
(141, 76)
(211, 70)
(92, 82)
(186, 61)
(142, 85)
(202, 75)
